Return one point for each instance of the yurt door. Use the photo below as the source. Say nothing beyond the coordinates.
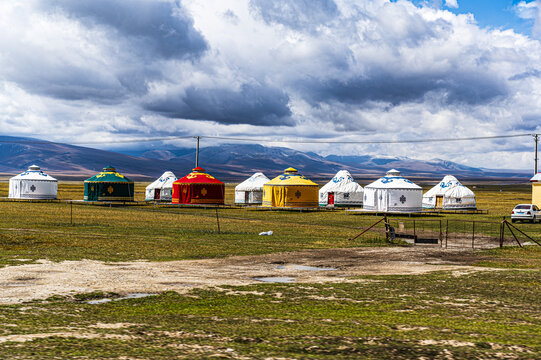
(156, 194)
(439, 202)
(246, 197)
(93, 191)
(331, 198)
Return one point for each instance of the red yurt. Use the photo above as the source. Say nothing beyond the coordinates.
(198, 187)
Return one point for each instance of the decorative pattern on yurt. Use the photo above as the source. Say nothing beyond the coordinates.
(162, 188)
(33, 184)
(393, 193)
(250, 191)
(290, 190)
(536, 189)
(449, 193)
(198, 187)
(108, 185)
(342, 190)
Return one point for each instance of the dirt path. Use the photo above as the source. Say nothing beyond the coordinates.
(46, 278)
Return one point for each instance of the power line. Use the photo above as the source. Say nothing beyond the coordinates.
(369, 141)
(123, 141)
(256, 140)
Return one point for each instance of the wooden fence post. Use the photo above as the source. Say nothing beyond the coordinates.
(387, 237)
(218, 220)
(447, 233)
(473, 235)
(502, 232)
(441, 236)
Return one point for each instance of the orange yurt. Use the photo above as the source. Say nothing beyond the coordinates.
(198, 187)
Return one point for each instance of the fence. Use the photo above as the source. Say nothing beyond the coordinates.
(451, 233)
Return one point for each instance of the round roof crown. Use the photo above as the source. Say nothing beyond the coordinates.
(290, 170)
(109, 168)
(34, 168)
(198, 169)
(393, 172)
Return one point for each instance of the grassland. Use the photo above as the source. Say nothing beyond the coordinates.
(58, 231)
(478, 314)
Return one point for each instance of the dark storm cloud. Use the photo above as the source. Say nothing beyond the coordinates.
(299, 15)
(157, 28)
(253, 104)
(395, 88)
(68, 82)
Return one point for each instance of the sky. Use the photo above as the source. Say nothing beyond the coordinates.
(280, 70)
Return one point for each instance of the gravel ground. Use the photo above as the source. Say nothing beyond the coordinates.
(44, 278)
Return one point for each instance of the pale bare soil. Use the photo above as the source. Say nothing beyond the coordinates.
(43, 279)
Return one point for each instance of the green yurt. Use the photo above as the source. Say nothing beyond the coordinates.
(108, 185)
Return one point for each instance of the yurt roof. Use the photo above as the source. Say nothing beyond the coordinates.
(342, 182)
(109, 174)
(536, 178)
(254, 182)
(291, 177)
(198, 176)
(393, 180)
(34, 173)
(459, 191)
(164, 181)
(445, 184)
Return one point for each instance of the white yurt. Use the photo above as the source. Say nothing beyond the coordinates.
(393, 193)
(162, 188)
(342, 190)
(33, 184)
(449, 193)
(250, 191)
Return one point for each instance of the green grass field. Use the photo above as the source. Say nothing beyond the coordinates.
(488, 314)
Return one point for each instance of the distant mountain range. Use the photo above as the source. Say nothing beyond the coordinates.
(229, 162)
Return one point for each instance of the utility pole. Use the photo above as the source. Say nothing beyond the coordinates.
(197, 153)
(536, 138)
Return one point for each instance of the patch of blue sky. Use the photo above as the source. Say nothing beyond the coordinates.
(518, 15)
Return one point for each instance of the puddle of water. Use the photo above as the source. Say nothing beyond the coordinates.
(135, 296)
(276, 279)
(304, 267)
(129, 296)
(15, 284)
(99, 301)
(177, 284)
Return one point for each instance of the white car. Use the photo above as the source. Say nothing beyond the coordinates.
(526, 212)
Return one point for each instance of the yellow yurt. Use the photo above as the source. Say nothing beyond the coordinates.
(290, 190)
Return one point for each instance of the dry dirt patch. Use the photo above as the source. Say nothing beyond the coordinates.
(46, 278)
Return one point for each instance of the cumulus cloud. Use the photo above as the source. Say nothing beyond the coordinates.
(526, 10)
(101, 51)
(451, 4)
(286, 69)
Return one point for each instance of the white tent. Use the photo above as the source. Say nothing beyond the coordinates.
(449, 194)
(393, 193)
(33, 184)
(342, 190)
(162, 188)
(250, 191)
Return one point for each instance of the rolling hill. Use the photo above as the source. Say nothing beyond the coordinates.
(229, 162)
